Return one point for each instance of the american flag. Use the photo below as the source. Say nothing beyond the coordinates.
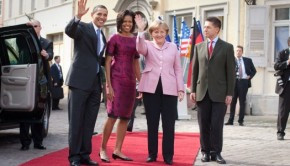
(185, 39)
(175, 35)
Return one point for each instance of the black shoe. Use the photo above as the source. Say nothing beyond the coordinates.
(205, 157)
(24, 147)
(168, 162)
(75, 163)
(213, 156)
(40, 147)
(122, 158)
(280, 137)
(150, 159)
(105, 160)
(241, 124)
(88, 162)
(229, 123)
(219, 159)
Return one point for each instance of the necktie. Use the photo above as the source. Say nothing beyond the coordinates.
(98, 47)
(210, 49)
(99, 42)
(240, 69)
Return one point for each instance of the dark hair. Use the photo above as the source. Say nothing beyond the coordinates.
(215, 21)
(120, 20)
(241, 47)
(97, 7)
(56, 57)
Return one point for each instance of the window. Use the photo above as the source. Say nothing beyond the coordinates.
(46, 3)
(281, 29)
(33, 5)
(57, 40)
(17, 50)
(20, 7)
(1, 7)
(10, 9)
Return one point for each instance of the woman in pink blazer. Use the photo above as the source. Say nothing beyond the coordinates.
(161, 86)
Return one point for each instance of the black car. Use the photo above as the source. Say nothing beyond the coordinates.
(25, 94)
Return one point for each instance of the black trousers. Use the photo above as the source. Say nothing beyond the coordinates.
(284, 108)
(55, 103)
(36, 133)
(241, 90)
(210, 116)
(83, 108)
(166, 105)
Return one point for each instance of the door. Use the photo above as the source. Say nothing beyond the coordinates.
(19, 60)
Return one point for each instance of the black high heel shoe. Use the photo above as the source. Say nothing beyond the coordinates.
(104, 160)
(122, 158)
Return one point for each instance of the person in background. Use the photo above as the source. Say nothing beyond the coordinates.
(37, 128)
(245, 71)
(213, 84)
(283, 89)
(161, 86)
(122, 70)
(84, 81)
(57, 82)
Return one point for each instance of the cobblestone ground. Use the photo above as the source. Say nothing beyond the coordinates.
(254, 144)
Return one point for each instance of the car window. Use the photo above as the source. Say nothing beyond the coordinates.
(17, 50)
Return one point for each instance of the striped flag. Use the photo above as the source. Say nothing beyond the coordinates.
(185, 39)
(196, 38)
(175, 34)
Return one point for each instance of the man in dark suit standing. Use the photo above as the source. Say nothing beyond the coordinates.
(213, 84)
(245, 71)
(84, 81)
(283, 89)
(37, 128)
(57, 82)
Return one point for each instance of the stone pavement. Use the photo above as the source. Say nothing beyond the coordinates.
(254, 144)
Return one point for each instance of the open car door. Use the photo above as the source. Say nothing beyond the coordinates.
(20, 72)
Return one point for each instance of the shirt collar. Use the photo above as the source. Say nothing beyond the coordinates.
(95, 27)
(214, 40)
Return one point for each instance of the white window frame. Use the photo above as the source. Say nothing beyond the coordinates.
(169, 19)
(274, 4)
(274, 25)
(212, 7)
(1, 6)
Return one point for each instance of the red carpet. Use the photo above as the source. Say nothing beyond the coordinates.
(135, 146)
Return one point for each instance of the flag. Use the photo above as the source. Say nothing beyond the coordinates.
(196, 38)
(185, 39)
(167, 38)
(175, 34)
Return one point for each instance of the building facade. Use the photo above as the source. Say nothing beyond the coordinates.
(53, 15)
(261, 26)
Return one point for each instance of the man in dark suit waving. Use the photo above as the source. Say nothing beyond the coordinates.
(245, 71)
(84, 81)
(213, 84)
(283, 89)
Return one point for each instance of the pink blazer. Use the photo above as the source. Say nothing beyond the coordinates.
(164, 62)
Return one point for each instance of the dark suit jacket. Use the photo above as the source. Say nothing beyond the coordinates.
(48, 47)
(250, 68)
(281, 65)
(55, 75)
(83, 69)
(217, 75)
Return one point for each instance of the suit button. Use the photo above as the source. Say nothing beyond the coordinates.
(160, 68)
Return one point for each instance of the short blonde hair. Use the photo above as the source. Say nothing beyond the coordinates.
(158, 24)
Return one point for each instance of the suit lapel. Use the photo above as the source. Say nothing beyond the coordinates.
(217, 47)
(94, 36)
(204, 49)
